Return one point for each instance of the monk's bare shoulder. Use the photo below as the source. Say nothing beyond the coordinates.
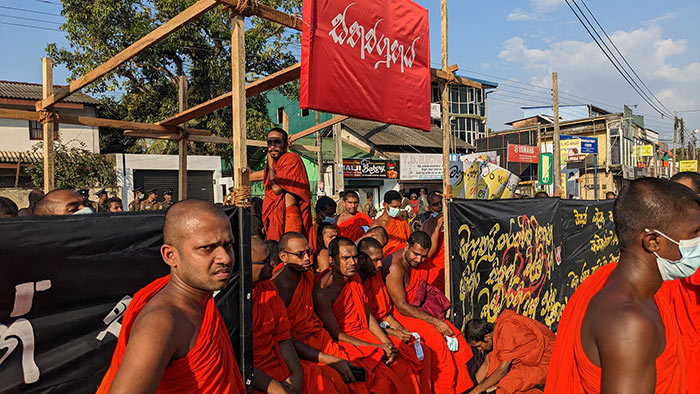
(381, 221)
(162, 317)
(429, 225)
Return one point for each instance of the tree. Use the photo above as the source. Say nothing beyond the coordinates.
(99, 29)
(74, 167)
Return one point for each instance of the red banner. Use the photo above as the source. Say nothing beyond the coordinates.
(523, 153)
(368, 59)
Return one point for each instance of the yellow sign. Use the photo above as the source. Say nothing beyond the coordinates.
(569, 148)
(689, 165)
(647, 150)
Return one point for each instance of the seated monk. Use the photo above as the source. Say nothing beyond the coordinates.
(397, 227)
(378, 233)
(277, 366)
(326, 233)
(325, 214)
(518, 349)
(406, 272)
(286, 206)
(352, 223)
(172, 337)
(340, 303)
(435, 227)
(294, 280)
(617, 334)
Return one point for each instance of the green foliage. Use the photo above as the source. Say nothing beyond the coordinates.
(146, 86)
(74, 167)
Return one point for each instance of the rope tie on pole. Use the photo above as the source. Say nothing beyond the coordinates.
(244, 7)
(46, 116)
(241, 197)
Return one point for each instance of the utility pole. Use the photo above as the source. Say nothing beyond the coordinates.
(446, 134)
(339, 180)
(695, 135)
(319, 155)
(681, 126)
(182, 143)
(675, 136)
(48, 128)
(556, 145)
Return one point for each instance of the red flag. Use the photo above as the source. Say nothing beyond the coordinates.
(367, 58)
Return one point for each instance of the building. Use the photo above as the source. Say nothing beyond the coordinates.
(21, 137)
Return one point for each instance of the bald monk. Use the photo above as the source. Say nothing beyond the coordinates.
(406, 272)
(616, 335)
(518, 349)
(172, 337)
(277, 366)
(435, 227)
(294, 282)
(352, 223)
(340, 303)
(397, 227)
(60, 202)
(287, 202)
(378, 233)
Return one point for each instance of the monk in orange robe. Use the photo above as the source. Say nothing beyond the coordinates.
(519, 351)
(617, 334)
(434, 226)
(340, 303)
(352, 223)
(287, 202)
(294, 280)
(406, 272)
(172, 337)
(397, 227)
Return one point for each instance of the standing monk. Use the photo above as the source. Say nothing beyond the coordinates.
(406, 272)
(352, 223)
(616, 334)
(172, 337)
(519, 351)
(435, 227)
(397, 227)
(340, 303)
(286, 206)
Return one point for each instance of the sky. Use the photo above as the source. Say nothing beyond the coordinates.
(517, 44)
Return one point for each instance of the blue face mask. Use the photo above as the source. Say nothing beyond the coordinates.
(84, 211)
(328, 219)
(688, 263)
(435, 214)
(393, 212)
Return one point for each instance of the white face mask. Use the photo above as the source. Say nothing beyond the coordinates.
(688, 263)
(84, 211)
(393, 212)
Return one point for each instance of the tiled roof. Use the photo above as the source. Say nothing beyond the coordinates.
(24, 157)
(385, 135)
(32, 91)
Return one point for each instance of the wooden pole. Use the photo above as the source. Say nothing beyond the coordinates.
(182, 143)
(675, 136)
(556, 147)
(446, 132)
(338, 177)
(319, 155)
(238, 99)
(48, 128)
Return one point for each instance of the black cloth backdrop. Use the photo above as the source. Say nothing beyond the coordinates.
(525, 255)
(66, 282)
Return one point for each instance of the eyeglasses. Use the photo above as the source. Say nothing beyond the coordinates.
(262, 262)
(301, 254)
(275, 141)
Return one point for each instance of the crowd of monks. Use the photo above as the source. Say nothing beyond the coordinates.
(350, 304)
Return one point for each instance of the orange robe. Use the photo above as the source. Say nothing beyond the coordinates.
(399, 231)
(574, 373)
(436, 265)
(528, 344)
(352, 227)
(449, 369)
(210, 367)
(270, 327)
(308, 329)
(684, 297)
(290, 175)
(350, 313)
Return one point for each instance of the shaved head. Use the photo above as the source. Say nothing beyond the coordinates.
(59, 202)
(287, 237)
(379, 233)
(182, 219)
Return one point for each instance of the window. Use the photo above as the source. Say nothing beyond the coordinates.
(280, 115)
(305, 112)
(36, 131)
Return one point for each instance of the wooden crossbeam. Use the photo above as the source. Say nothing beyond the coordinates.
(150, 39)
(269, 82)
(270, 14)
(437, 74)
(318, 127)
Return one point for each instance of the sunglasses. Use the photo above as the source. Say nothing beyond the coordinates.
(301, 254)
(275, 141)
(262, 262)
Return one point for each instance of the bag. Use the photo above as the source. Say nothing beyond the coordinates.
(430, 300)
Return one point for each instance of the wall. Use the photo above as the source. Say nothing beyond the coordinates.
(15, 133)
(127, 163)
(297, 122)
(19, 195)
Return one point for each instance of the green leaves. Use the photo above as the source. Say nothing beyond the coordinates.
(75, 167)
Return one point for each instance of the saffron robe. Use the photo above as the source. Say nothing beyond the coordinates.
(449, 369)
(352, 227)
(399, 231)
(270, 327)
(210, 367)
(436, 265)
(290, 175)
(528, 344)
(574, 373)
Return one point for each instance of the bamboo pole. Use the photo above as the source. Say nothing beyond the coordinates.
(48, 127)
(446, 131)
(556, 147)
(182, 143)
(238, 99)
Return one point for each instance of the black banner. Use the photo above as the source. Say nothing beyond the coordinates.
(525, 255)
(65, 285)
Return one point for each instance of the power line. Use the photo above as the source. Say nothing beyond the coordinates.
(48, 2)
(30, 19)
(31, 11)
(29, 26)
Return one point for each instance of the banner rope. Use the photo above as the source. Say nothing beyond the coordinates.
(241, 197)
(46, 116)
(244, 7)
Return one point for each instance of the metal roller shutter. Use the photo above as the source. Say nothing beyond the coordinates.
(200, 184)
